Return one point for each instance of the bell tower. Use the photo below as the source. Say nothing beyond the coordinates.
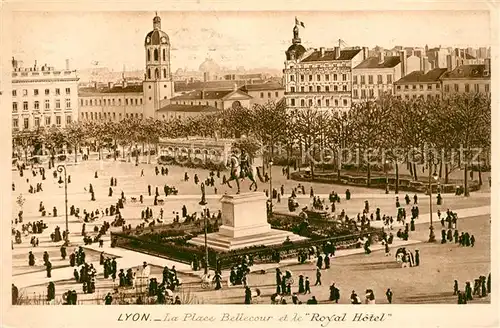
(158, 86)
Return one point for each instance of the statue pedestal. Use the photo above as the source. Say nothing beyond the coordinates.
(244, 224)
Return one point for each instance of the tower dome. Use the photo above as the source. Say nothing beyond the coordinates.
(296, 50)
(156, 36)
(209, 65)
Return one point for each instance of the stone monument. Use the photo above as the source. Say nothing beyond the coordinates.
(244, 224)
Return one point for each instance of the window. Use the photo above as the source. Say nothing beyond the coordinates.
(389, 78)
(345, 102)
(319, 102)
(467, 89)
(310, 102)
(164, 55)
(487, 88)
(268, 95)
(302, 103)
(310, 77)
(68, 91)
(327, 77)
(370, 79)
(14, 107)
(149, 55)
(363, 94)
(447, 88)
(291, 78)
(355, 93)
(336, 102)
(113, 101)
(81, 102)
(35, 92)
(292, 89)
(318, 88)
(379, 79)
(398, 87)
(37, 122)
(362, 79)
(407, 87)
(14, 93)
(58, 104)
(25, 105)
(438, 86)
(429, 86)
(58, 91)
(310, 88)
(355, 79)
(119, 102)
(136, 101)
(156, 54)
(68, 103)
(47, 104)
(344, 88)
(302, 78)
(344, 77)
(327, 102)
(114, 116)
(327, 88)
(318, 77)
(371, 93)
(47, 92)
(414, 87)
(58, 120)
(456, 87)
(476, 87)
(302, 89)
(15, 123)
(37, 105)
(276, 94)
(25, 92)
(126, 101)
(335, 88)
(26, 123)
(262, 94)
(335, 77)
(421, 87)
(292, 102)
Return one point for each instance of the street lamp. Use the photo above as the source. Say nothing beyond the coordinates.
(432, 237)
(386, 178)
(271, 186)
(203, 204)
(62, 168)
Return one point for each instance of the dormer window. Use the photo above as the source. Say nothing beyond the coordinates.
(486, 73)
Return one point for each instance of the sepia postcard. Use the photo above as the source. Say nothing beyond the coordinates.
(233, 163)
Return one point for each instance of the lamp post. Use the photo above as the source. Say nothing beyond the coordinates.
(432, 237)
(271, 186)
(203, 204)
(62, 168)
(386, 178)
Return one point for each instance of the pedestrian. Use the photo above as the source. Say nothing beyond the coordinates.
(455, 288)
(472, 240)
(63, 252)
(108, 299)
(51, 291)
(417, 257)
(301, 285)
(318, 277)
(389, 294)
(48, 267)
(307, 286)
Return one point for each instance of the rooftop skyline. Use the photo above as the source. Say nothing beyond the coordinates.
(232, 39)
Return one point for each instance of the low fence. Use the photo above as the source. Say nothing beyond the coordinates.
(184, 253)
(380, 182)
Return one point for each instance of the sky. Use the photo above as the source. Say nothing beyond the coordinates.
(232, 39)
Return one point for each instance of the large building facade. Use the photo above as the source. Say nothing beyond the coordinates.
(119, 101)
(319, 78)
(43, 96)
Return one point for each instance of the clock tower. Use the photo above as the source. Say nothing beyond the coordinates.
(158, 85)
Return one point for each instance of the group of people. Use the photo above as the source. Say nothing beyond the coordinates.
(482, 287)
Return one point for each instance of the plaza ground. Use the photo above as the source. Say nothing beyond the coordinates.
(432, 282)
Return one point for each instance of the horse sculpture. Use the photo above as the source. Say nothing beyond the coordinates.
(241, 169)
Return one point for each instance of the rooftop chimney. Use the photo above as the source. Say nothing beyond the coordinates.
(34, 66)
(449, 63)
(487, 66)
(426, 64)
(322, 51)
(381, 57)
(235, 87)
(110, 85)
(337, 52)
(402, 58)
(365, 53)
(67, 64)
